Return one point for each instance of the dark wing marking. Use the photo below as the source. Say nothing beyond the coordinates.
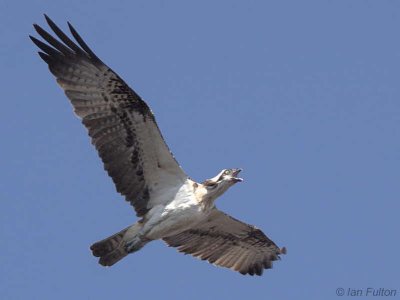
(121, 125)
(227, 242)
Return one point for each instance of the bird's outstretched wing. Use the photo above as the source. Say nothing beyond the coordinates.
(227, 242)
(122, 127)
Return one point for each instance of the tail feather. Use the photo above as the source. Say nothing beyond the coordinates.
(113, 257)
(116, 247)
(111, 249)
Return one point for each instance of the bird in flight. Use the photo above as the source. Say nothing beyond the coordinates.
(170, 205)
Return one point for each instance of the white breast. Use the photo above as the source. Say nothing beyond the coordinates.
(182, 213)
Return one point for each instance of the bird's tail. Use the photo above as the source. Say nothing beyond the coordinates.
(116, 247)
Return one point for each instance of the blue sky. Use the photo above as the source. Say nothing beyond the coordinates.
(303, 95)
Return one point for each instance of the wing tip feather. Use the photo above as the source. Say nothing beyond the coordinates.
(45, 57)
(81, 42)
(47, 18)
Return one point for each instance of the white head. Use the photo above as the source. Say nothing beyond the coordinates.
(219, 184)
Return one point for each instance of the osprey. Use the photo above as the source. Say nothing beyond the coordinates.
(171, 206)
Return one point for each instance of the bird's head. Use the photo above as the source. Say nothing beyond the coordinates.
(219, 184)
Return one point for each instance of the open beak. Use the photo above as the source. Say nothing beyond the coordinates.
(235, 174)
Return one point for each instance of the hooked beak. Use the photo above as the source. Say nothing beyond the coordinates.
(235, 174)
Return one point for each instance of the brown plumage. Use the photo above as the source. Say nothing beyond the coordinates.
(227, 242)
(172, 206)
(118, 120)
(111, 249)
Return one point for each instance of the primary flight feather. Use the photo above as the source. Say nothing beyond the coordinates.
(171, 206)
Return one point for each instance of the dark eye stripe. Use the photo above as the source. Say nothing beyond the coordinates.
(209, 183)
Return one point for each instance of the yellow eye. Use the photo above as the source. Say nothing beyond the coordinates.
(226, 172)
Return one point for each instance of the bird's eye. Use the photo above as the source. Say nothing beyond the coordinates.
(227, 172)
